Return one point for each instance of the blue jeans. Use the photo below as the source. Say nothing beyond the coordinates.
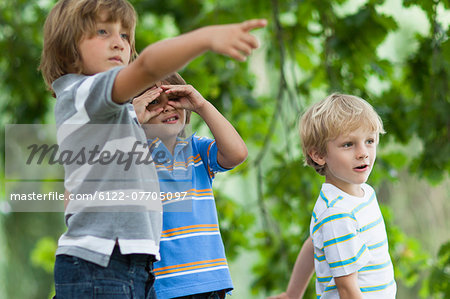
(126, 276)
(209, 295)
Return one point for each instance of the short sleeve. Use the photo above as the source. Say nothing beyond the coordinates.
(208, 151)
(90, 97)
(336, 234)
(98, 101)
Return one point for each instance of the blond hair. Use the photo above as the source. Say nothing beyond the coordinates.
(335, 115)
(71, 20)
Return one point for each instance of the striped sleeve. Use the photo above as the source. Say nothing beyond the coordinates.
(208, 152)
(336, 234)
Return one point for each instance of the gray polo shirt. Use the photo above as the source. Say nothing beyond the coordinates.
(108, 172)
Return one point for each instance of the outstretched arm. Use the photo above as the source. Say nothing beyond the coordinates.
(165, 57)
(301, 274)
(232, 150)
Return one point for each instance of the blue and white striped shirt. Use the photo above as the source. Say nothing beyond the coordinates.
(192, 253)
(349, 236)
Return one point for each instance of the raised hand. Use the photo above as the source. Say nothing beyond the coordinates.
(184, 97)
(141, 102)
(235, 40)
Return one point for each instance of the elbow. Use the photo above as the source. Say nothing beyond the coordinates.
(233, 158)
(240, 156)
(244, 154)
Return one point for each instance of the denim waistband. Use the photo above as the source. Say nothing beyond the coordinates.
(135, 258)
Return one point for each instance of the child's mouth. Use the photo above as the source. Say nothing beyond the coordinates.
(116, 59)
(362, 167)
(171, 119)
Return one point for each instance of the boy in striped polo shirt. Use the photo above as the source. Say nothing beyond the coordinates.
(339, 139)
(193, 263)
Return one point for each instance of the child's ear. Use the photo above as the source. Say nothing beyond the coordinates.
(317, 157)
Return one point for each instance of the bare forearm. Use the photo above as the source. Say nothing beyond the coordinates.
(348, 287)
(302, 272)
(167, 56)
(231, 40)
(232, 150)
(350, 294)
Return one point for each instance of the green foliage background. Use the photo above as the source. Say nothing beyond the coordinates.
(309, 49)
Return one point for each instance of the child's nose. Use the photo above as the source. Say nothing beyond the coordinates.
(164, 100)
(168, 108)
(117, 42)
(363, 153)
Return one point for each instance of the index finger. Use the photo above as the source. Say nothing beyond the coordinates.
(252, 24)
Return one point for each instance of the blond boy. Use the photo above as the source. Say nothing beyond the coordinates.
(339, 138)
(87, 62)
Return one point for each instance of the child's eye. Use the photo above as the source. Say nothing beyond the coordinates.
(154, 102)
(101, 31)
(347, 144)
(370, 141)
(125, 36)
